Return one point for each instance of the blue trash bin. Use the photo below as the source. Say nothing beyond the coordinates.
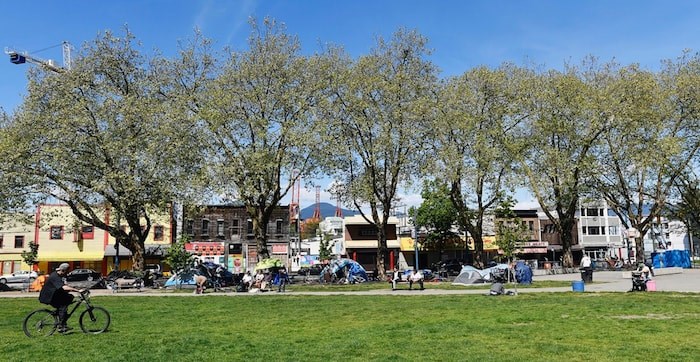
(577, 286)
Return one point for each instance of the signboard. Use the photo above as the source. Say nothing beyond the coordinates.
(279, 249)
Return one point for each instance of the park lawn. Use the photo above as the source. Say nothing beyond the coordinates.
(272, 327)
(316, 287)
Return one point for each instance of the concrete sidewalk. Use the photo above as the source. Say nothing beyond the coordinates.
(687, 280)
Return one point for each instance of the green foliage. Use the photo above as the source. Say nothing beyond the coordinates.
(326, 247)
(105, 136)
(261, 120)
(510, 229)
(178, 257)
(381, 120)
(651, 140)
(437, 215)
(30, 257)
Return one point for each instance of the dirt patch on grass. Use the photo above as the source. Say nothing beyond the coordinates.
(657, 316)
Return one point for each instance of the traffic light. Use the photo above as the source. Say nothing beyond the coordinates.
(17, 58)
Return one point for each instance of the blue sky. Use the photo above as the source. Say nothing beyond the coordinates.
(463, 34)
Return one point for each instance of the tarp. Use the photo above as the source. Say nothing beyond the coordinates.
(269, 264)
(356, 273)
(671, 258)
(523, 273)
(181, 280)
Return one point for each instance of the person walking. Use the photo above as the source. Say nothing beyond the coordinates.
(55, 292)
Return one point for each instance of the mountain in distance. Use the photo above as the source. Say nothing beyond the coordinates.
(326, 211)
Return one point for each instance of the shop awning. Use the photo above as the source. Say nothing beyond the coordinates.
(151, 250)
(81, 256)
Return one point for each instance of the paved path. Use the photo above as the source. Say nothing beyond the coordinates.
(688, 280)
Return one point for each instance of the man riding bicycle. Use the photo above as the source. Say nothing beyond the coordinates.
(56, 293)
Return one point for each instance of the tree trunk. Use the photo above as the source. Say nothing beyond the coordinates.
(381, 252)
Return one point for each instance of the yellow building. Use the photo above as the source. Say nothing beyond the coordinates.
(159, 239)
(63, 238)
(16, 231)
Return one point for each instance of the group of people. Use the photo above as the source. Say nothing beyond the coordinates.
(263, 280)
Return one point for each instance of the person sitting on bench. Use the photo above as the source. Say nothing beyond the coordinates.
(416, 277)
(396, 277)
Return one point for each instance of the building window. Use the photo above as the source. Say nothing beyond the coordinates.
(278, 226)
(235, 225)
(220, 228)
(88, 232)
(158, 233)
(531, 225)
(19, 242)
(593, 230)
(591, 212)
(368, 231)
(189, 227)
(583, 230)
(1, 241)
(56, 233)
(205, 227)
(613, 230)
(250, 226)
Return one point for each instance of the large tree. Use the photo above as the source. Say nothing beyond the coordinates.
(651, 142)
(105, 135)
(261, 122)
(438, 215)
(384, 103)
(554, 145)
(476, 109)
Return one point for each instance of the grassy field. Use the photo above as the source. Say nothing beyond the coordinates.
(273, 327)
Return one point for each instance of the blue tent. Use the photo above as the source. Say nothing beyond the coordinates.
(356, 273)
(523, 273)
(671, 258)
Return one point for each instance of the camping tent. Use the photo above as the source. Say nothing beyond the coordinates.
(523, 273)
(180, 280)
(356, 273)
(468, 276)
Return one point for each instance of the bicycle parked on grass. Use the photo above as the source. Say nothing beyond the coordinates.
(44, 322)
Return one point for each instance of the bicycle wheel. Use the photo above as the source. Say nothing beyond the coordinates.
(40, 323)
(95, 320)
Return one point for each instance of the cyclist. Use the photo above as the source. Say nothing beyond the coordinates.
(56, 293)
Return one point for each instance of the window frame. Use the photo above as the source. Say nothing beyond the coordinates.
(158, 233)
(21, 239)
(53, 236)
(87, 235)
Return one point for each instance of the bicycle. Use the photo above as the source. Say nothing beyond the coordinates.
(44, 322)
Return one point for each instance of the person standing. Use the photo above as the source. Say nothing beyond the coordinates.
(283, 280)
(55, 292)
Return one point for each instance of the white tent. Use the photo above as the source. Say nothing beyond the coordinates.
(468, 276)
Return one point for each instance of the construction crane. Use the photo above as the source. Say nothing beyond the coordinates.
(21, 58)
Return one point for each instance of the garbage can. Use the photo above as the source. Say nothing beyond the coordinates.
(587, 275)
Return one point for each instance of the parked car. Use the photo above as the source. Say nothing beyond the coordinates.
(20, 276)
(79, 275)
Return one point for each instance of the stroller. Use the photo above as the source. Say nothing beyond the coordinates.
(639, 282)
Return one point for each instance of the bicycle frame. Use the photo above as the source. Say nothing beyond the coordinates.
(82, 300)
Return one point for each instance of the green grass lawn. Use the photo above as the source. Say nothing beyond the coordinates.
(272, 327)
